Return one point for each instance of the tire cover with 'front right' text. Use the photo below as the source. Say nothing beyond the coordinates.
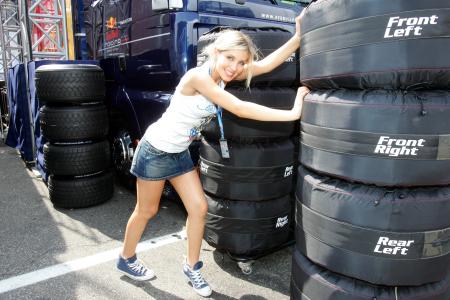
(382, 137)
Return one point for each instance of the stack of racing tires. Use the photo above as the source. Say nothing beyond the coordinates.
(250, 194)
(74, 121)
(373, 191)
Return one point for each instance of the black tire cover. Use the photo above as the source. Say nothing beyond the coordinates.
(73, 83)
(266, 40)
(248, 227)
(313, 282)
(367, 44)
(357, 135)
(77, 159)
(79, 192)
(73, 123)
(248, 131)
(367, 232)
(254, 172)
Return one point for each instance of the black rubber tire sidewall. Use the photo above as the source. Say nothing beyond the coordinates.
(77, 159)
(58, 83)
(81, 192)
(74, 123)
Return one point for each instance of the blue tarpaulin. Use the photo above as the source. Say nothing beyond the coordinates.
(19, 132)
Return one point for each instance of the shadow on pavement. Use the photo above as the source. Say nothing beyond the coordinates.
(150, 289)
(30, 236)
(271, 271)
(110, 218)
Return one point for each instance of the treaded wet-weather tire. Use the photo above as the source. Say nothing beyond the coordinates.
(71, 83)
(248, 131)
(253, 172)
(74, 123)
(384, 236)
(266, 40)
(313, 282)
(82, 191)
(382, 137)
(248, 227)
(76, 159)
(365, 44)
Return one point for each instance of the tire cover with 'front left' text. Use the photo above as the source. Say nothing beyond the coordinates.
(365, 44)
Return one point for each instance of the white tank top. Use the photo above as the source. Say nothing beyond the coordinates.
(182, 122)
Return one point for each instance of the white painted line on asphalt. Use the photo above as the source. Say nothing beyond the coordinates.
(23, 280)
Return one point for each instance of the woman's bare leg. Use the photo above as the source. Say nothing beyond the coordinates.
(148, 198)
(189, 187)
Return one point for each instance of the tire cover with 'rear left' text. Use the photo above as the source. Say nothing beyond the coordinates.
(367, 232)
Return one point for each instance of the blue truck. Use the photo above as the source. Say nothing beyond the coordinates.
(146, 46)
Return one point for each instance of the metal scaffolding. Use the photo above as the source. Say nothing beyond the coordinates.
(11, 48)
(32, 29)
(48, 29)
(11, 51)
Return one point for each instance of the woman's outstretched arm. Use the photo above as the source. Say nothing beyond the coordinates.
(278, 56)
(203, 84)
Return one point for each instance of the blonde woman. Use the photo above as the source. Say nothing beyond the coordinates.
(162, 153)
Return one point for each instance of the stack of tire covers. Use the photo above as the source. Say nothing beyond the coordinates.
(373, 190)
(74, 121)
(250, 194)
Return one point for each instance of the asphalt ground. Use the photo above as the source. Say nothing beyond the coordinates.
(51, 253)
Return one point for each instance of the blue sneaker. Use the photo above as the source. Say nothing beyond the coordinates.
(194, 276)
(134, 268)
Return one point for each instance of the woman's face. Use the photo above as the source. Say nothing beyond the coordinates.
(230, 63)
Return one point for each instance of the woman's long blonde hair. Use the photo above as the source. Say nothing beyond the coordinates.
(230, 39)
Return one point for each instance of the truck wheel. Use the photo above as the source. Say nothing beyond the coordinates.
(76, 159)
(376, 44)
(81, 192)
(122, 157)
(74, 123)
(311, 281)
(169, 192)
(72, 83)
(339, 227)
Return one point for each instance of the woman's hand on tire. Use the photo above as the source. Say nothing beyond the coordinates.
(301, 93)
(298, 21)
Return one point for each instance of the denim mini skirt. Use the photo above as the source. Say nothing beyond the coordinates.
(150, 163)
